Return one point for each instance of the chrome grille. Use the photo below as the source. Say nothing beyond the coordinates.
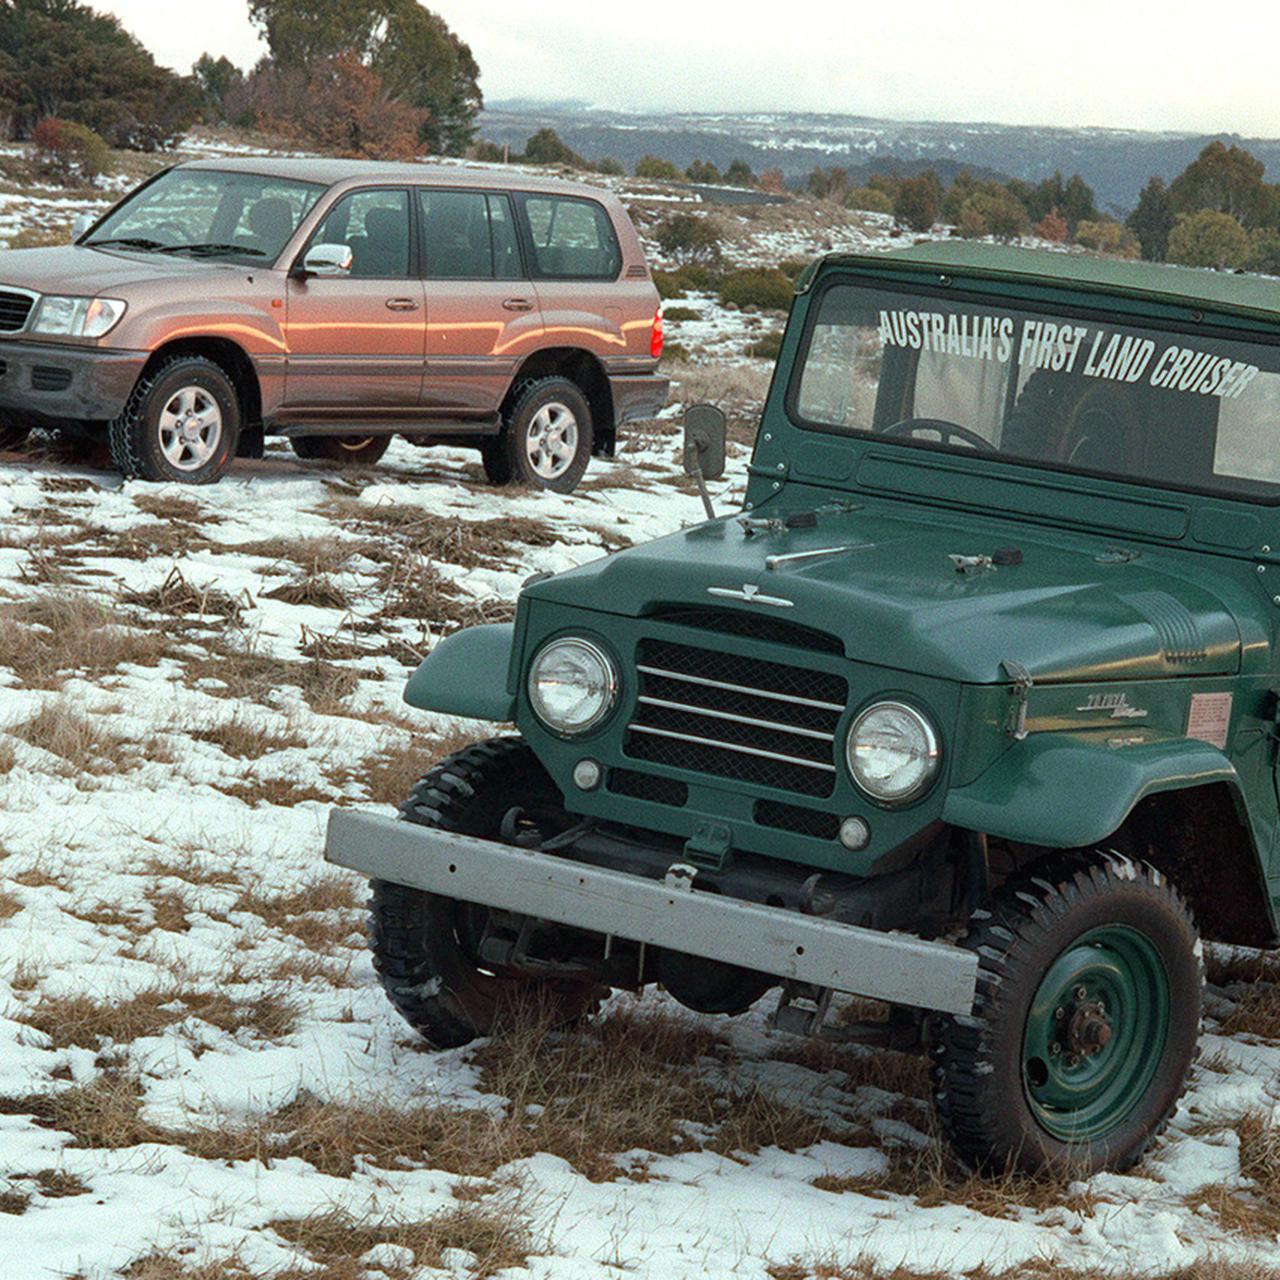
(761, 723)
(15, 310)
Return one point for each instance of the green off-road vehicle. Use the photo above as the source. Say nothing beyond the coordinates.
(972, 710)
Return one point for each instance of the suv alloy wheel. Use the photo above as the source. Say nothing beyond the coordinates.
(546, 438)
(181, 423)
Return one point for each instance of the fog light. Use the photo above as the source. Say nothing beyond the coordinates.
(854, 833)
(586, 775)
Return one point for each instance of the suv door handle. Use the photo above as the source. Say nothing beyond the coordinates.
(517, 304)
(401, 304)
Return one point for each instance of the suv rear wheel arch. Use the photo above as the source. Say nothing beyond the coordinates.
(586, 371)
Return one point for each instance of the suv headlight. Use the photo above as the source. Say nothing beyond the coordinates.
(892, 752)
(78, 317)
(572, 685)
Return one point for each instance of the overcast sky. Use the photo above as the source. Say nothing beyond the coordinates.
(1122, 63)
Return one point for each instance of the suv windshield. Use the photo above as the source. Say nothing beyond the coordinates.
(238, 217)
(1184, 409)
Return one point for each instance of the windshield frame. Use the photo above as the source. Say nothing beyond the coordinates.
(1030, 300)
(321, 188)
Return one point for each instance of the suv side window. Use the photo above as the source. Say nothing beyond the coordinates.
(375, 225)
(572, 238)
(468, 235)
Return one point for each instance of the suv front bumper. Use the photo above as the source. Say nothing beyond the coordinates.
(895, 967)
(57, 382)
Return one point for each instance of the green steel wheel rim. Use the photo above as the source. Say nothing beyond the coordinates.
(1095, 1034)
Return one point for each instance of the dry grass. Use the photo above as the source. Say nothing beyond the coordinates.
(244, 737)
(469, 544)
(103, 1114)
(175, 507)
(45, 638)
(415, 588)
(831, 1267)
(10, 904)
(88, 1023)
(1257, 1012)
(314, 556)
(496, 1239)
(163, 540)
(81, 745)
(178, 598)
(390, 773)
(315, 589)
(250, 675)
(284, 793)
(320, 914)
(57, 1184)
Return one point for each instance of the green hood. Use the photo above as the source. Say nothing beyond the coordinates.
(1076, 612)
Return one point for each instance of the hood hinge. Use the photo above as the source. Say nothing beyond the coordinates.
(1016, 724)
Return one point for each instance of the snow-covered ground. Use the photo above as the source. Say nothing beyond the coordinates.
(185, 988)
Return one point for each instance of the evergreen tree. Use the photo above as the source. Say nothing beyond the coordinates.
(1152, 220)
(219, 80)
(1209, 238)
(1227, 180)
(547, 147)
(739, 174)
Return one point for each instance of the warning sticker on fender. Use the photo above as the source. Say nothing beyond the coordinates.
(1209, 718)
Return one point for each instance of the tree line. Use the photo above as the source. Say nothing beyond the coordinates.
(383, 78)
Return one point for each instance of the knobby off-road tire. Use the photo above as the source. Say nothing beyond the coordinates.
(185, 395)
(546, 438)
(349, 451)
(421, 942)
(1078, 942)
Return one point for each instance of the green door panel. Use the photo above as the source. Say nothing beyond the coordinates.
(465, 675)
(1073, 792)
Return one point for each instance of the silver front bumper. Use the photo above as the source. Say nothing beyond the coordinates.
(895, 967)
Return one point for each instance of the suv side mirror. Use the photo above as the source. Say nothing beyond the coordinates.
(704, 439)
(328, 260)
(82, 223)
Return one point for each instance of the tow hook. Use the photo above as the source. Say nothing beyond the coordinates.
(1016, 725)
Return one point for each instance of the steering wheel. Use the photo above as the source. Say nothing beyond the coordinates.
(947, 430)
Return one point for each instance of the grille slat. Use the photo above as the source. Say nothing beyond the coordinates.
(764, 723)
(15, 310)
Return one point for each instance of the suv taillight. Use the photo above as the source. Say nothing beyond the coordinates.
(655, 338)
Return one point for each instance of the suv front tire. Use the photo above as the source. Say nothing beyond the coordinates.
(546, 437)
(182, 424)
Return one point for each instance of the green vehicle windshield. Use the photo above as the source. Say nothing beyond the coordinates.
(1181, 406)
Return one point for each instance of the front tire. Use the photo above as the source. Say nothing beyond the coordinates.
(347, 451)
(422, 943)
(1086, 1020)
(182, 423)
(546, 438)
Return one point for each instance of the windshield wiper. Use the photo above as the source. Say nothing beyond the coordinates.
(213, 250)
(125, 242)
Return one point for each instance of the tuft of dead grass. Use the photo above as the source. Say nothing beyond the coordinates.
(84, 748)
(390, 773)
(319, 913)
(316, 589)
(314, 557)
(179, 598)
(244, 737)
(175, 507)
(47, 637)
(250, 675)
(498, 1239)
(10, 904)
(284, 793)
(87, 1022)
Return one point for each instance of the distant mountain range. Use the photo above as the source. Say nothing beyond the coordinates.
(1115, 162)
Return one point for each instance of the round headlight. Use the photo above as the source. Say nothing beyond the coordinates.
(572, 685)
(892, 752)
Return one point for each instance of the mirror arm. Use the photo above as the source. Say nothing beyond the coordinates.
(693, 468)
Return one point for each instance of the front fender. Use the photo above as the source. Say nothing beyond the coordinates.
(1072, 792)
(466, 675)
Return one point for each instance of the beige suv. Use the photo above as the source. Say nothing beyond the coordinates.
(337, 303)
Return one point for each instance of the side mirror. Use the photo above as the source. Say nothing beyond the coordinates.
(704, 439)
(82, 223)
(327, 260)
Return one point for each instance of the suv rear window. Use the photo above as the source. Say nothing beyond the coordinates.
(1073, 391)
(572, 239)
